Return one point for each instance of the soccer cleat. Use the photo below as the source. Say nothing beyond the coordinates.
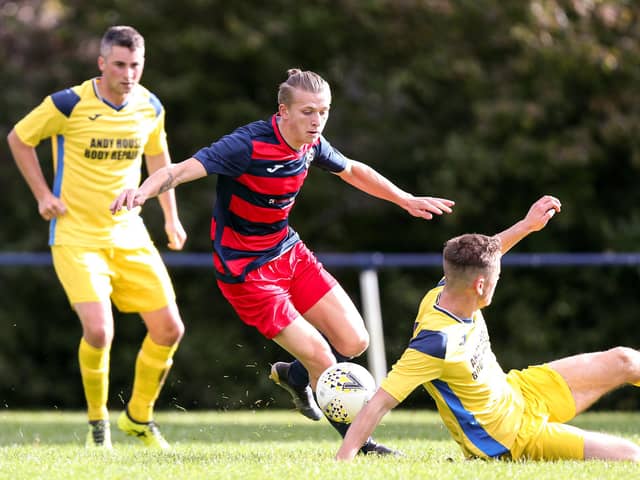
(148, 433)
(373, 448)
(302, 396)
(99, 434)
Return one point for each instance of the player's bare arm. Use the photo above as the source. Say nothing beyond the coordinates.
(365, 178)
(26, 158)
(159, 182)
(172, 225)
(365, 423)
(536, 219)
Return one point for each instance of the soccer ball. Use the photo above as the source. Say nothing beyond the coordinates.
(343, 389)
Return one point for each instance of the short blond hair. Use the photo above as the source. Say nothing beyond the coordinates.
(303, 80)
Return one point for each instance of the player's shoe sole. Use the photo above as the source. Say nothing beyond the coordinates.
(302, 396)
(99, 434)
(147, 433)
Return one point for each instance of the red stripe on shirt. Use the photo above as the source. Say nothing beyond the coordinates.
(234, 240)
(272, 185)
(270, 151)
(235, 266)
(254, 213)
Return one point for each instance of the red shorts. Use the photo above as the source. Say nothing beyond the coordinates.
(275, 294)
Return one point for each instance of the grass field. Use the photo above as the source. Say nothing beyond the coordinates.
(278, 445)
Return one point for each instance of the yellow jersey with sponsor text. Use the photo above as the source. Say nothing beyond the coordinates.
(97, 153)
(452, 359)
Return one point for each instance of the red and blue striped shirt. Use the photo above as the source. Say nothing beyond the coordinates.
(259, 177)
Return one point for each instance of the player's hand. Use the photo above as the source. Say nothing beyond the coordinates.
(175, 233)
(427, 207)
(130, 198)
(51, 207)
(541, 212)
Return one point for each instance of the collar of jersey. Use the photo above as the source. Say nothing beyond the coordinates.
(104, 100)
(448, 313)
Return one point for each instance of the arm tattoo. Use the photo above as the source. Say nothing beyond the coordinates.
(168, 184)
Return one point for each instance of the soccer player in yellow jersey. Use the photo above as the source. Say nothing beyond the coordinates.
(99, 131)
(492, 414)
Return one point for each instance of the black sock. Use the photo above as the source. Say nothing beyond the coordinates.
(298, 375)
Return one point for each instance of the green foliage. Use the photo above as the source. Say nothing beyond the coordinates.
(489, 103)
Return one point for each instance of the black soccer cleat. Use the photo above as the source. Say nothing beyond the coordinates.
(302, 396)
(373, 448)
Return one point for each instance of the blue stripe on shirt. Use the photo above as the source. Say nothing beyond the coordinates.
(430, 342)
(470, 426)
(57, 184)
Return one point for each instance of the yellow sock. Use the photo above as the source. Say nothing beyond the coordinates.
(152, 366)
(637, 384)
(94, 369)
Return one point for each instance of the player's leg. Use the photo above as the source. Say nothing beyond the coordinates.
(155, 358)
(307, 345)
(85, 277)
(327, 307)
(335, 316)
(315, 293)
(313, 353)
(144, 286)
(559, 441)
(93, 357)
(609, 447)
(591, 375)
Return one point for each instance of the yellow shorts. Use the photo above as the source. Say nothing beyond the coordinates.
(548, 405)
(135, 279)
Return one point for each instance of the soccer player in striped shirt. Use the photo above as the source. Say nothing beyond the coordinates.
(263, 269)
(491, 414)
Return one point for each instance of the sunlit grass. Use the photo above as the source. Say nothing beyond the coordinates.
(278, 445)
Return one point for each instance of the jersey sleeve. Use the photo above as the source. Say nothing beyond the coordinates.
(157, 141)
(44, 121)
(329, 158)
(230, 156)
(412, 370)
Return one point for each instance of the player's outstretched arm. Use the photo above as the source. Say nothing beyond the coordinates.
(365, 178)
(160, 181)
(536, 219)
(365, 423)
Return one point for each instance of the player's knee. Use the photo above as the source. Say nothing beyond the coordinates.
(174, 330)
(356, 344)
(99, 336)
(628, 361)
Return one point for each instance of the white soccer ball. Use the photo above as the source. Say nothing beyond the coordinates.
(343, 389)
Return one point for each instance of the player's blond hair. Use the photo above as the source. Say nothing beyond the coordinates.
(470, 253)
(121, 36)
(303, 80)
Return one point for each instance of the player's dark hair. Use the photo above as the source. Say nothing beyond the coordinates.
(471, 250)
(121, 36)
(304, 80)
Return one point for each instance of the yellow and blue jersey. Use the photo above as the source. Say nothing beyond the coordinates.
(97, 153)
(452, 358)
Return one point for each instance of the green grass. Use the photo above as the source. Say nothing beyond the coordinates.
(279, 445)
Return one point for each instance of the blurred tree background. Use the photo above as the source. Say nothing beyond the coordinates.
(486, 102)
